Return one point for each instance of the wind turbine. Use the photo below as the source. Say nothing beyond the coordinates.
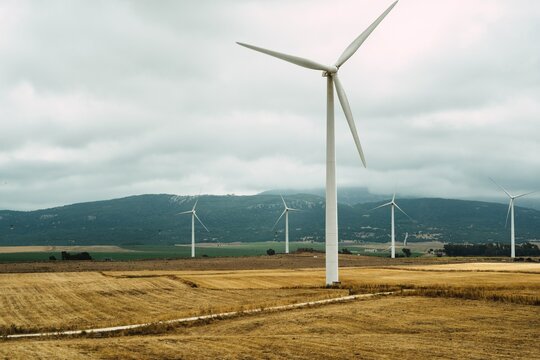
(393, 204)
(330, 72)
(193, 213)
(286, 213)
(405, 240)
(511, 210)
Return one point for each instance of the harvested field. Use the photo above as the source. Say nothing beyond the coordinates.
(99, 299)
(452, 311)
(412, 327)
(32, 302)
(473, 266)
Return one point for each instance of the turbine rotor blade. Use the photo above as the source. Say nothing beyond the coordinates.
(508, 213)
(291, 209)
(351, 49)
(529, 193)
(284, 204)
(279, 218)
(292, 59)
(348, 115)
(201, 222)
(503, 189)
(380, 206)
(195, 205)
(394, 197)
(396, 205)
(185, 212)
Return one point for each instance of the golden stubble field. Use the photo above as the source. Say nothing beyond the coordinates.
(474, 310)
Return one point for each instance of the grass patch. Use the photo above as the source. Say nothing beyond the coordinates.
(146, 252)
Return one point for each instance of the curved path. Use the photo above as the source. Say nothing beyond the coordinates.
(197, 318)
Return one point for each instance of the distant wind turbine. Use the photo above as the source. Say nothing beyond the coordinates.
(511, 210)
(286, 213)
(393, 204)
(193, 213)
(330, 72)
(405, 240)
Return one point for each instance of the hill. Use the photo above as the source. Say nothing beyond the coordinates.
(346, 195)
(153, 219)
(352, 195)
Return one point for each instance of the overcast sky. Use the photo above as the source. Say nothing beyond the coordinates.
(104, 99)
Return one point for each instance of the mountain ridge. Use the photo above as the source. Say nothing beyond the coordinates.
(153, 219)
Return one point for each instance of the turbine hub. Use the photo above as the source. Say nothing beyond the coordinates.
(334, 70)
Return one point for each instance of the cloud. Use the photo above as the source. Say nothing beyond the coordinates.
(107, 99)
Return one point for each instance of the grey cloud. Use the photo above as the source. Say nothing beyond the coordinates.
(107, 99)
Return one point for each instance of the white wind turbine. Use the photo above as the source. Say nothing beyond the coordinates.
(511, 210)
(330, 72)
(393, 204)
(193, 213)
(286, 213)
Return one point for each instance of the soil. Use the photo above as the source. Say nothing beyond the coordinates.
(291, 261)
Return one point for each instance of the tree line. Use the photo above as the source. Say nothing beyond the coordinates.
(490, 249)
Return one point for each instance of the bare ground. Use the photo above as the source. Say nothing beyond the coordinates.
(291, 261)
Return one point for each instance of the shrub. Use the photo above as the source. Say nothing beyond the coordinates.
(491, 249)
(307, 250)
(439, 252)
(270, 252)
(77, 256)
(406, 251)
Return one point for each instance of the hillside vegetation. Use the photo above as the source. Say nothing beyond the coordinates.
(153, 219)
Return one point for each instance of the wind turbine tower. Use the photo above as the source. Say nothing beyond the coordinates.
(330, 72)
(393, 204)
(511, 212)
(193, 213)
(286, 213)
(405, 239)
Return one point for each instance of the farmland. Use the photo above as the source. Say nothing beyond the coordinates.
(408, 327)
(442, 301)
(143, 252)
